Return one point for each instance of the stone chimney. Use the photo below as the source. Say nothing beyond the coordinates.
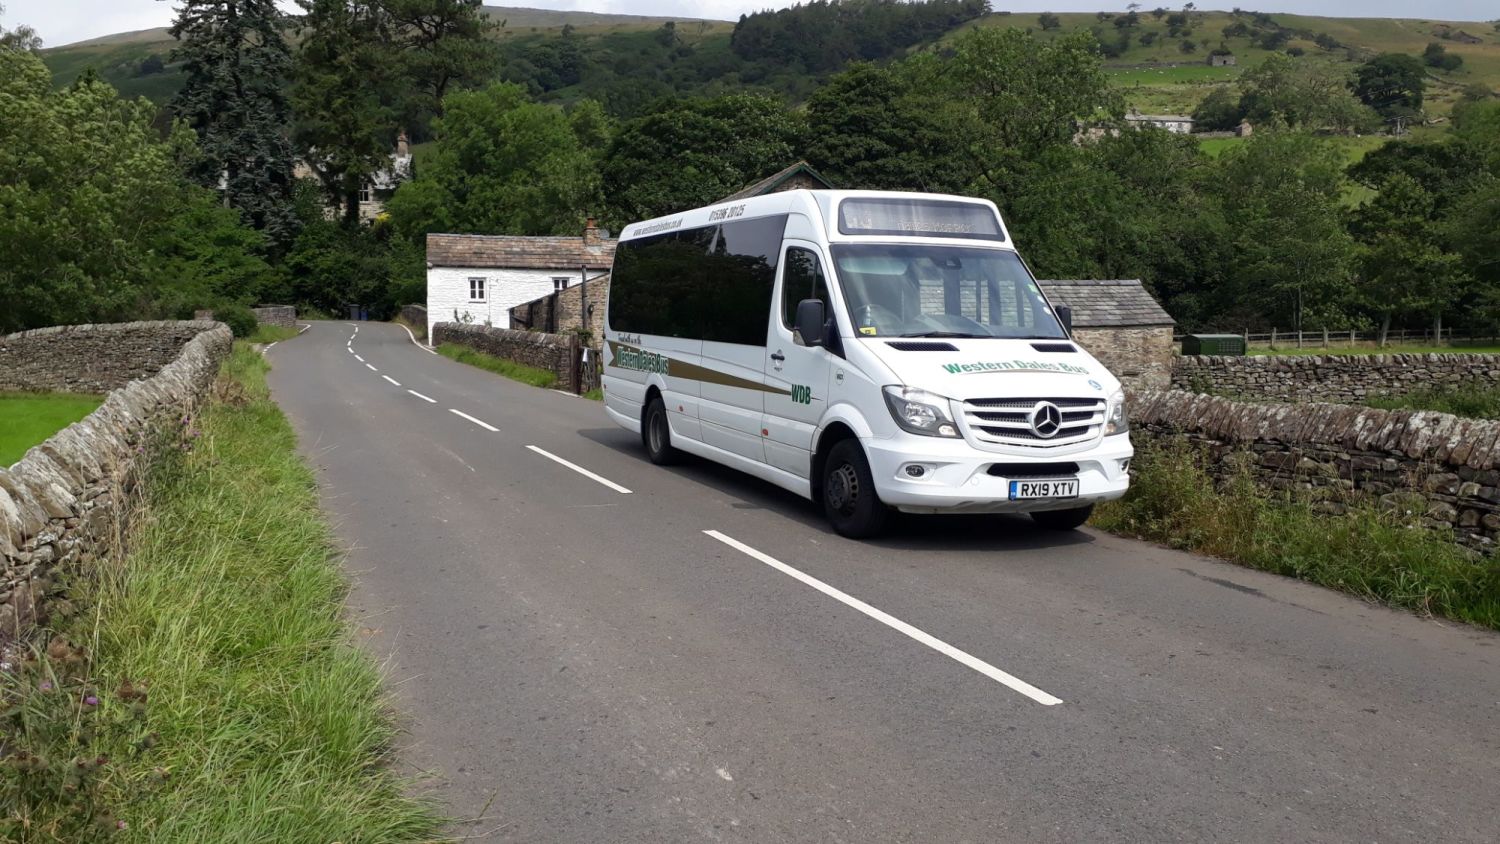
(591, 233)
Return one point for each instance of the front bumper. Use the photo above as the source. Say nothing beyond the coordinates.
(956, 478)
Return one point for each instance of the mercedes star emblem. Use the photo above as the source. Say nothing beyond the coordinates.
(1046, 420)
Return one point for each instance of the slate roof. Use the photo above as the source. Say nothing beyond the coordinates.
(513, 252)
(1108, 303)
(773, 181)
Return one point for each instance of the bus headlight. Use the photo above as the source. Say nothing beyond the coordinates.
(1115, 420)
(920, 412)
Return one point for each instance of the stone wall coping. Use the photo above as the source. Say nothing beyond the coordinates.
(537, 338)
(1306, 361)
(111, 328)
(1418, 434)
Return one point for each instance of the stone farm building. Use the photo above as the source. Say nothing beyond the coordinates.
(479, 278)
(1181, 124)
(1121, 324)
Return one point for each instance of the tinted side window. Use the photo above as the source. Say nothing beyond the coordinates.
(802, 279)
(741, 273)
(711, 283)
(657, 283)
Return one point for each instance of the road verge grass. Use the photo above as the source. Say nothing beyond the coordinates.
(1366, 552)
(265, 721)
(267, 334)
(500, 366)
(1471, 402)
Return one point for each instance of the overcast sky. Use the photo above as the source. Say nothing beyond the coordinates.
(64, 21)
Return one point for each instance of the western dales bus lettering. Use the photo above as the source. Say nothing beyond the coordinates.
(1014, 366)
(639, 360)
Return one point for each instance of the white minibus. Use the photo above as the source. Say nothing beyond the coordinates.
(867, 350)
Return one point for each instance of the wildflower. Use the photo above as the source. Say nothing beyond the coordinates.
(90, 700)
(46, 686)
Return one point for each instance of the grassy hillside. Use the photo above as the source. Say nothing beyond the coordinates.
(1160, 77)
(117, 58)
(1156, 77)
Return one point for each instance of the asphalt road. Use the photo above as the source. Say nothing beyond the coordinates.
(582, 663)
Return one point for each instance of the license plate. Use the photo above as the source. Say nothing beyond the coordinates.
(1043, 489)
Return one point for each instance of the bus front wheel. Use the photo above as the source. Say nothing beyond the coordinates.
(849, 498)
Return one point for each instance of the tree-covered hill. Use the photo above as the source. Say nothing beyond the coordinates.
(1159, 58)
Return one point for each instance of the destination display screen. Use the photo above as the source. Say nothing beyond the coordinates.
(919, 218)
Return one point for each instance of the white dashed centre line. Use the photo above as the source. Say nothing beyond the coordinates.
(358, 358)
(990, 671)
(371, 368)
(480, 422)
(580, 470)
(392, 380)
(422, 397)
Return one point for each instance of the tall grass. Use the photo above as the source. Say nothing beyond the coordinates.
(1365, 551)
(510, 369)
(270, 720)
(1473, 402)
(272, 334)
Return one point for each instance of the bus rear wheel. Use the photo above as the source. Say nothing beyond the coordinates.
(849, 498)
(656, 434)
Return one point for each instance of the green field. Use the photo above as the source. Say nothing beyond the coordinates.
(27, 419)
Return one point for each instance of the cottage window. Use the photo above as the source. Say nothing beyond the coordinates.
(476, 290)
(560, 283)
(364, 194)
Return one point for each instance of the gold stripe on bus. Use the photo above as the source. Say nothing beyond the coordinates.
(696, 372)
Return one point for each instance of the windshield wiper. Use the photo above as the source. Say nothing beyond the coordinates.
(941, 334)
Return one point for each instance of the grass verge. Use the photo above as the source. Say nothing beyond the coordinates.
(265, 334)
(29, 418)
(266, 722)
(1336, 349)
(500, 366)
(596, 394)
(1366, 552)
(1472, 402)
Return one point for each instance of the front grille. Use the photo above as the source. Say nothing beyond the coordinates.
(1033, 470)
(1006, 422)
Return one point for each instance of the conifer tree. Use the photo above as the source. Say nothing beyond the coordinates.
(237, 62)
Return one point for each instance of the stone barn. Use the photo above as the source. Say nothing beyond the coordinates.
(1121, 324)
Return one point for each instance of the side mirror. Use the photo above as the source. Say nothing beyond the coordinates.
(810, 319)
(1065, 316)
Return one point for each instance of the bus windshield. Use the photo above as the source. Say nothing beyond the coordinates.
(923, 290)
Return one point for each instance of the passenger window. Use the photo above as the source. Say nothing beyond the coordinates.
(803, 279)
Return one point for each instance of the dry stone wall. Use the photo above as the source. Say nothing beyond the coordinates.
(1349, 379)
(91, 358)
(552, 352)
(1433, 469)
(65, 505)
(282, 315)
(416, 316)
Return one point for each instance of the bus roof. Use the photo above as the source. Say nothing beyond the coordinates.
(824, 205)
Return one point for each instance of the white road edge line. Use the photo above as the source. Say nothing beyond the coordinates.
(422, 397)
(392, 380)
(480, 422)
(371, 368)
(580, 470)
(413, 337)
(305, 327)
(990, 671)
(269, 348)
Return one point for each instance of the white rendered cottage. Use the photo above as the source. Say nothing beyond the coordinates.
(479, 278)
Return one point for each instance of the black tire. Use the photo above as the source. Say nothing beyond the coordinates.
(849, 498)
(656, 434)
(1063, 519)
